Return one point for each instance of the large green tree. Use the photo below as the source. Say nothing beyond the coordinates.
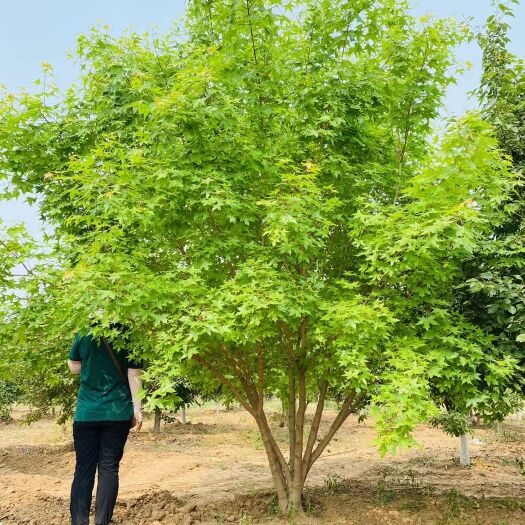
(257, 196)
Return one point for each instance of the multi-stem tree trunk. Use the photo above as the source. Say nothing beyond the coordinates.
(289, 474)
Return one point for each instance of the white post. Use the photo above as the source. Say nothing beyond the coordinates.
(183, 413)
(464, 456)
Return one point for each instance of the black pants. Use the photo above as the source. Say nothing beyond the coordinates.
(97, 444)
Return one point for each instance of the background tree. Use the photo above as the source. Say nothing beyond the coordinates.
(32, 341)
(493, 296)
(8, 395)
(255, 195)
(498, 289)
(183, 394)
(455, 424)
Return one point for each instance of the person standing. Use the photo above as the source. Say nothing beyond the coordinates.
(107, 407)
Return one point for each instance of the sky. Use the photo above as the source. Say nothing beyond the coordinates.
(33, 32)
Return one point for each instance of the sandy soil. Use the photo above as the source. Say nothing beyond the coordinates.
(214, 470)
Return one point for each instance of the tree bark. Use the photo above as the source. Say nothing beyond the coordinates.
(295, 504)
(183, 414)
(314, 429)
(464, 455)
(291, 411)
(284, 413)
(156, 424)
(276, 468)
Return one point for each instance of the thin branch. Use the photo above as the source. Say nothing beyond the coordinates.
(314, 429)
(254, 51)
(210, 18)
(406, 134)
(334, 427)
(244, 377)
(159, 63)
(259, 417)
(227, 383)
(256, 61)
(260, 378)
(44, 103)
(17, 255)
(291, 409)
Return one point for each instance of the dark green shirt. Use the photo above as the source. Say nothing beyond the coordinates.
(103, 395)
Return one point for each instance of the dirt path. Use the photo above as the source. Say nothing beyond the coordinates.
(214, 470)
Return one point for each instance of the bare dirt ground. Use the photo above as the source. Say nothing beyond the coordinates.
(214, 470)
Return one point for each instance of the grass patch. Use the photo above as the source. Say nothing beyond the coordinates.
(384, 495)
(455, 503)
(513, 504)
(251, 437)
(335, 484)
(246, 519)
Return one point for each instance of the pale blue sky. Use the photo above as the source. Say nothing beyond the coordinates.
(34, 31)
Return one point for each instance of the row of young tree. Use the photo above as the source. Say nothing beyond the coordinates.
(259, 196)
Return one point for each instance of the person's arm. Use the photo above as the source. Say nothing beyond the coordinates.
(74, 366)
(74, 361)
(135, 383)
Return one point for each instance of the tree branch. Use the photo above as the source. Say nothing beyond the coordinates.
(280, 471)
(291, 398)
(262, 422)
(259, 417)
(18, 256)
(227, 383)
(334, 427)
(251, 34)
(406, 133)
(243, 376)
(299, 429)
(314, 429)
(260, 378)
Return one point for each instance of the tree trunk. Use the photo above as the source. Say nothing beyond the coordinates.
(284, 414)
(295, 497)
(464, 456)
(183, 414)
(156, 424)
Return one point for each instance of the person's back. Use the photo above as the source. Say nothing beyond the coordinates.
(103, 395)
(107, 407)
